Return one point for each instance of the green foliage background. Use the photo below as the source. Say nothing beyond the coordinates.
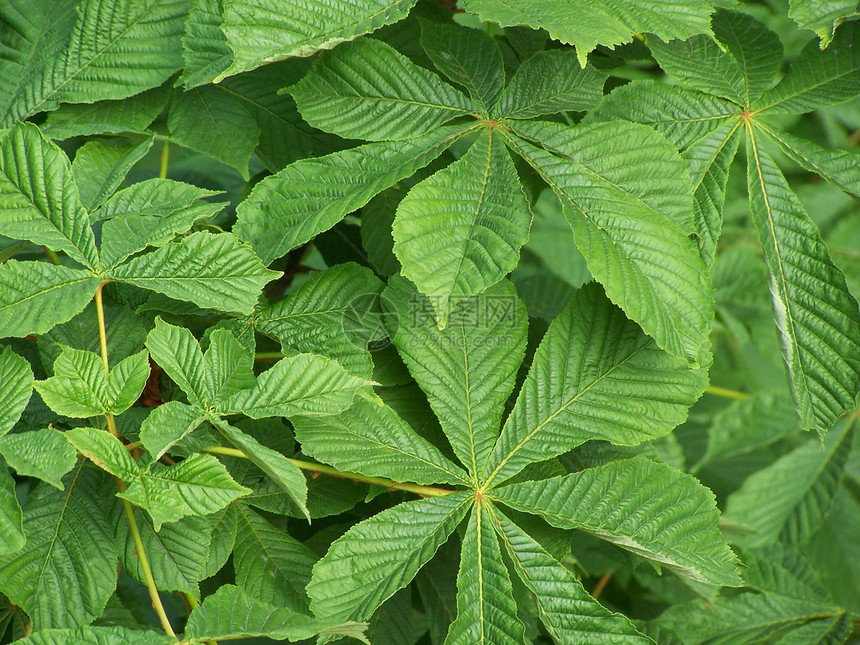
(408, 323)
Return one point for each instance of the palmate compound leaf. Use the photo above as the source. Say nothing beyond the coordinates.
(230, 613)
(569, 613)
(468, 369)
(212, 271)
(312, 195)
(270, 565)
(39, 200)
(36, 296)
(380, 555)
(486, 610)
(368, 90)
(817, 319)
(631, 228)
(68, 567)
(81, 387)
(373, 440)
(818, 79)
(808, 479)
(591, 358)
(198, 485)
(645, 507)
(116, 49)
(460, 230)
(468, 57)
(335, 312)
(263, 31)
(586, 24)
(16, 375)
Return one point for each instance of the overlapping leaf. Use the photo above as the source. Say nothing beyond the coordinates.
(468, 369)
(460, 230)
(367, 90)
(44, 454)
(592, 357)
(631, 228)
(261, 31)
(380, 555)
(639, 505)
(312, 195)
(16, 375)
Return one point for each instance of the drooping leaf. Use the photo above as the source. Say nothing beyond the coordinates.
(198, 485)
(821, 16)
(282, 471)
(468, 370)
(586, 24)
(366, 89)
(311, 195)
(467, 57)
(709, 160)
(366, 565)
(739, 64)
(631, 228)
(335, 312)
(373, 440)
(271, 566)
(44, 454)
(230, 613)
(817, 318)
(178, 353)
(36, 296)
(104, 450)
(101, 635)
(486, 611)
(807, 478)
(16, 375)
(460, 230)
(204, 45)
(549, 82)
(299, 385)
(168, 424)
(68, 567)
(214, 123)
(261, 31)
(223, 526)
(591, 358)
(212, 271)
(569, 613)
(100, 167)
(177, 554)
(116, 49)
(681, 115)
(817, 79)
(134, 114)
(645, 507)
(840, 167)
(81, 387)
(38, 196)
(12, 536)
